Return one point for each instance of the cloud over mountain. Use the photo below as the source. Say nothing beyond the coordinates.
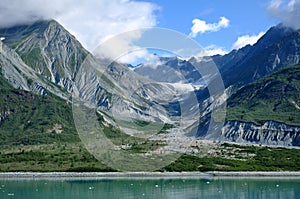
(91, 21)
(246, 39)
(286, 11)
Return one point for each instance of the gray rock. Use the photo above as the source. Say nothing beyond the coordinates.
(270, 133)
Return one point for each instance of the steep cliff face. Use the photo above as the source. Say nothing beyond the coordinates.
(21, 76)
(270, 133)
(49, 49)
(10, 62)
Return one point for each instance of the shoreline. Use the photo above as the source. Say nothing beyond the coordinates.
(112, 175)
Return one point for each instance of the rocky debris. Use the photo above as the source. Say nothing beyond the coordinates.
(270, 133)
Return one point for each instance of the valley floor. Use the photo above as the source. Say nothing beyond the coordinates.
(205, 157)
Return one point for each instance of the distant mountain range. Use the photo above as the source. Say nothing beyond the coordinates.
(278, 48)
(43, 65)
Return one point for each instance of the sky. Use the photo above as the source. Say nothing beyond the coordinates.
(218, 26)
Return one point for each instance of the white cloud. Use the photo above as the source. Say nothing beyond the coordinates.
(133, 57)
(91, 21)
(274, 4)
(152, 60)
(215, 50)
(141, 56)
(246, 39)
(114, 47)
(286, 11)
(121, 48)
(201, 26)
(212, 50)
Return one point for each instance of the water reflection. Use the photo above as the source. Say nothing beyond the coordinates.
(151, 188)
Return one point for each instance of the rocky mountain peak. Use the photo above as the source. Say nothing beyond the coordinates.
(48, 48)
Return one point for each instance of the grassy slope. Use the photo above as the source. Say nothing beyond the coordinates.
(32, 118)
(275, 97)
(28, 140)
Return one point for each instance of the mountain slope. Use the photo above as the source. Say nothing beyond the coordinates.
(275, 97)
(266, 111)
(22, 76)
(48, 48)
(278, 48)
(28, 119)
(37, 133)
(56, 57)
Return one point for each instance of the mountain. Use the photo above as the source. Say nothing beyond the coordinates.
(170, 69)
(145, 110)
(48, 48)
(22, 76)
(43, 66)
(274, 97)
(29, 119)
(43, 58)
(278, 48)
(266, 111)
(49, 58)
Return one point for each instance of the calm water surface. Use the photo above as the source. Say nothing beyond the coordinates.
(150, 188)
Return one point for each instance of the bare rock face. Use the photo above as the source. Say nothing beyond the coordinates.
(21, 76)
(50, 50)
(270, 133)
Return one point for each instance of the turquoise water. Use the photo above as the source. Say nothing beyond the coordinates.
(150, 188)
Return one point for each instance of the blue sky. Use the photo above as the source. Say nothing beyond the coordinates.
(247, 17)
